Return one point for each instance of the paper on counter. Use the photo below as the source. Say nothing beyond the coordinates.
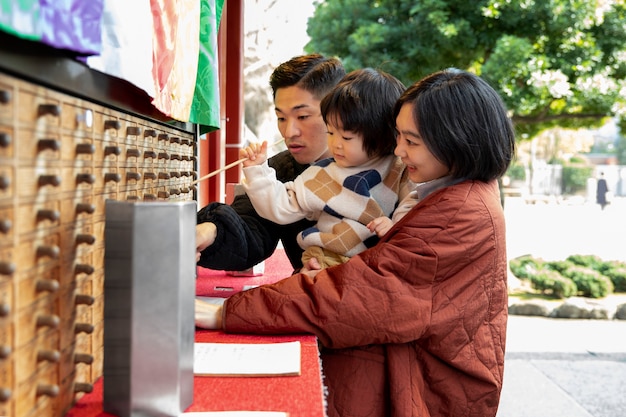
(247, 359)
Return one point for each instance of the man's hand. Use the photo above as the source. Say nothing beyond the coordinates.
(208, 316)
(256, 154)
(380, 226)
(205, 236)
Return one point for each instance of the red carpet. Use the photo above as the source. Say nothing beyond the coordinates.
(212, 283)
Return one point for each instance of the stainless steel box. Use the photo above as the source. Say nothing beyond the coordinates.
(149, 291)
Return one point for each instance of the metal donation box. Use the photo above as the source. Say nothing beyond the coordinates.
(149, 291)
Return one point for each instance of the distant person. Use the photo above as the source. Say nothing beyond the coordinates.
(601, 190)
(360, 182)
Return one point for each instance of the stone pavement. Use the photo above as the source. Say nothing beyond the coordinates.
(564, 367)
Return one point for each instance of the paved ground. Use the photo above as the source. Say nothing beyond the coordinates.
(565, 367)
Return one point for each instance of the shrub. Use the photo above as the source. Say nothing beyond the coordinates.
(590, 261)
(590, 283)
(559, 266)
(617, 275)
(574, 178)
(550, 281)
(524, 267)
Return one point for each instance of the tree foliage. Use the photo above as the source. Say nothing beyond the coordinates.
(554, 62)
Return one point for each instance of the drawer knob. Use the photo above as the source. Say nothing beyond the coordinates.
(85, 179)
(83, 387)
(83, 358)
(164, 176)
(163, 155)
(149, 133)
(5, 351)
(149, 197)
(83, 328)
(133, 131)
(7, 268)
(5, 182)
(46, 285)
(51, 321)
(49, 109)
(48, 145)
(47, 390)
(133, 153)
(5, 140)
(112, 150)
(112, 124)
(175, 157)
(5, 226)
(5, 310)
(48, 251)
(84, 269)
(150, 175)
(174, 139)
(86, 239)
(163, 194)
(48, 356)
(85, 149)
(175, 174)
(84, 299)
(133, 176)
(149, 155)
(53, 180)
(86, 117)
(5, 97)
(45, 214)
(85, 208)
(5, 395)
(164, 137)
(112, 177)
(175, 191)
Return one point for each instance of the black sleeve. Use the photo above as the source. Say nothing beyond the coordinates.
(243, 237)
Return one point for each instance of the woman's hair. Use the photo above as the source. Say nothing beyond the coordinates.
(463, 122)
(363, 103)
(313, 73)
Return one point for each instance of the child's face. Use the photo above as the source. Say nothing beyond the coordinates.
(346, 146)
(421, 164)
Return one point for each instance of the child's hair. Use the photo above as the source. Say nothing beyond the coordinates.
(314, 73)
(463, 122)
(363, 103)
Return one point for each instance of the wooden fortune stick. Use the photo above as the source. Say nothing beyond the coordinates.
(229, 166)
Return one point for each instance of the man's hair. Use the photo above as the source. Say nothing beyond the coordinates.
(463, 122)
(314, 73)
(363, 103)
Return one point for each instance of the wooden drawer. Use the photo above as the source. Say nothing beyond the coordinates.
(35, 146)
(37, 355)
(38, 216)
(37, 319)
(7, 181)
(7, 224)
(40, 181)
(35, 285)
(77, 117)
(77, 207)
(42, 252)
(35, 397)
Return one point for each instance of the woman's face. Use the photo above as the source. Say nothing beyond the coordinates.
(422, 166)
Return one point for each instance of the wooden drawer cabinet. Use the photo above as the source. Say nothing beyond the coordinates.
(61, 158)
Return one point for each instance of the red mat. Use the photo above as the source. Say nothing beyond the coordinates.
(212, 283)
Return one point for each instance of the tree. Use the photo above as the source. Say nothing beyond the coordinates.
(554, 62)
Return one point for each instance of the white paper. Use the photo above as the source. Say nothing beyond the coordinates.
(247, 359)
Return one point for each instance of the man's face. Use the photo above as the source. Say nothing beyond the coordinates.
(300, 123)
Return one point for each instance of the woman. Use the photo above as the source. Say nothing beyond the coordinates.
(416, 325)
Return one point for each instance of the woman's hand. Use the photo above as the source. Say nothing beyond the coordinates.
(208, 316)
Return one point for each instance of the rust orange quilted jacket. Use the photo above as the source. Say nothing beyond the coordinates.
(414, 326)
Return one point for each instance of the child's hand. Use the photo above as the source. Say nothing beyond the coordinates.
(380, 226)
(256, 154)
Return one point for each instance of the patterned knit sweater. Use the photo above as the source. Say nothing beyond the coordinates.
(342, 200)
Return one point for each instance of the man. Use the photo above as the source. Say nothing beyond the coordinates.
(235, 237)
